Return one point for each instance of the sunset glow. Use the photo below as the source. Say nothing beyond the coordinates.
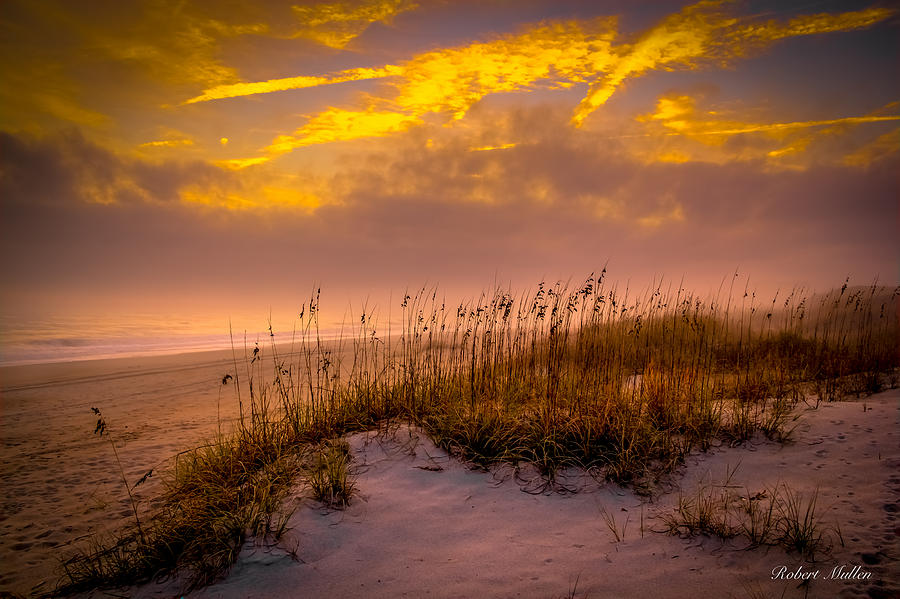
(175, 158)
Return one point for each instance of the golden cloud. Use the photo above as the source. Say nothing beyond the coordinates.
(237, 164)
(336, 124)
(338, 23)
(174, 45)
(677, 116)
(267, 197)
(561, 54)
(453, 79)
(167, 143)
(679, 38)
(68, 109)
(777, 128)
(235, 90)
(450, 81)
(505, 146)
(700, 33)
(882, 146)
(770, 31)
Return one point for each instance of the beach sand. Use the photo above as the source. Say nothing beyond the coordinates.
(424, 524)
(60, 481)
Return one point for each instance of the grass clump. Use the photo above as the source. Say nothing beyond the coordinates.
(609, 519)
(799, 527)
(777, 516)
(329, 474)
(708, 511)
(213, 498)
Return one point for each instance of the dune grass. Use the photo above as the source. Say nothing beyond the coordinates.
(595, 377)
(774, 516)
(329, 474)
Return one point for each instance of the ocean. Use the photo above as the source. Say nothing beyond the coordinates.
(66, 339)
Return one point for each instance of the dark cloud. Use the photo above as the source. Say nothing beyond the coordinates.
(67, 168)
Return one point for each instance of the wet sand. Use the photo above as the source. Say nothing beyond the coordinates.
(60, 481)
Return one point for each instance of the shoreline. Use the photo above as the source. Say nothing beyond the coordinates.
(131, 347)
(110, 356)
(19, 377)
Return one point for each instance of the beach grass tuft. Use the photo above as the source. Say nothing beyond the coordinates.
(329, 474)
(774, 516)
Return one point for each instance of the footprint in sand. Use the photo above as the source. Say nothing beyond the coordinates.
(871, 559)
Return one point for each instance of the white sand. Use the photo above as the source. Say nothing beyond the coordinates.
(416, 532)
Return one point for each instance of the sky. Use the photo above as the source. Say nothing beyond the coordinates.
(184, 162)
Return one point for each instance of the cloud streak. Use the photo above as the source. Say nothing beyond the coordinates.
(167, 143)
(779, 127)
(883, 146)
(236, 90)
(677, 116)
(336, 24)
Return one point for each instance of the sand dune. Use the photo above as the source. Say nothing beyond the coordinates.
(423, 523)
(419, 531)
